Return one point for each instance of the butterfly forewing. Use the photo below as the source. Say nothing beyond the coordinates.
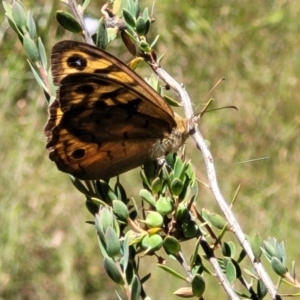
(70, 57)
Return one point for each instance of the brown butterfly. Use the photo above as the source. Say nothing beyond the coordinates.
(106, 119)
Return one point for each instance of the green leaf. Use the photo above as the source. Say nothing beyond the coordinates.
(120, 209)
(31, 49)
(172, 272)
(182, 212)
(141, 28)
(135, 288)
(102, 38)
(31, 25)
(37, 76)
(255, 243)
(156, 185)
(68, 22)
(129, 19)
(269, 250)
(112, 242)
(198, 285)
(261, 289)
(112, 271)
(230, 271)
(176, 186)
(107, 191)
(147, 196)
(79, 185)
(120, 192)
(126, 253)
(154, 41)
(215, 220)
(226, 251)
(19, 15)
(85, 4)
(278, 267)
(42, 53)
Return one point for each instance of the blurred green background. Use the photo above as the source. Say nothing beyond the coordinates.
(47, 250)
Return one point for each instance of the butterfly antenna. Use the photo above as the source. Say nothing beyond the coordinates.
(218, 82)
(210, 100)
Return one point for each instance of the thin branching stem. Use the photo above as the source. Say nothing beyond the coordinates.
(212, 178)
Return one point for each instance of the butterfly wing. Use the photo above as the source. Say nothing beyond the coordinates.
(106, 120)
(69, 57)
(101, 137)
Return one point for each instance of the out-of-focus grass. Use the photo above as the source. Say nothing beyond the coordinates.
(47, 252)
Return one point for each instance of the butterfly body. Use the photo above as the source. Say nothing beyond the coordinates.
(105, 120)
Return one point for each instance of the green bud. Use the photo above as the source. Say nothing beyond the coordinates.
(164, 205)
(189, 228)
(171, 245)
(152, 242)
(182, 212)
(154, 220)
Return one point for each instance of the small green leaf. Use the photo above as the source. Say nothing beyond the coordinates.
(129, 19)
(120, 209)
(144, 46)
(31, 25)
(79, 185)
(226, 251)
(255, 243)
(182, 212)
(42, 53)
(112, 242)
(120, 192)
(147, 196)
(140, 26)
(278, 267)
(198, 285)
(156, 185)
(37, 76)
(19, 15)
(154, 41)
(112, 271)
(68, 22)
(172, 272)
(176, 186)
(145, 13)
(135, 288)
(107, 191)
(103, 220)
(216, 220)
(85, 4)
(230, 271)
(31, 49)
(102, 38)
(261, 290)
(269, 249)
